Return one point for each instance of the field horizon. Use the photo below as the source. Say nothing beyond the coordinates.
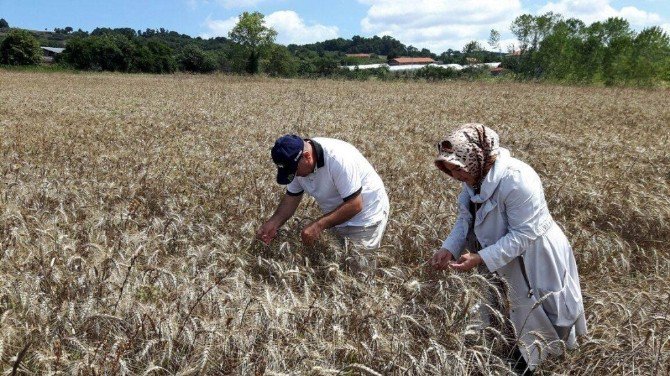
(129, 203)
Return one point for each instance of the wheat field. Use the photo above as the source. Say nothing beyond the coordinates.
(129, 203)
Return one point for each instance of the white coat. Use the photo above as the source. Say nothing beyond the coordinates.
(513, 221)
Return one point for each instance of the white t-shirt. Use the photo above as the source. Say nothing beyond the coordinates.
(341, 172)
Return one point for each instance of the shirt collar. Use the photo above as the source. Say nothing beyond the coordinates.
(318, 153)
(491, 180)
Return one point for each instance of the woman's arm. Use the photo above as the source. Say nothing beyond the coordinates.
(456, 240)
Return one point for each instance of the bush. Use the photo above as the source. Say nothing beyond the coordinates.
(112, 52)
(382, 73)
(280, 62)
(155, 57)
(20, 48)
(194, 59)
(433, 73)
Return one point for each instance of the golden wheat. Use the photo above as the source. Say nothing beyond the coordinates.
(129, 203)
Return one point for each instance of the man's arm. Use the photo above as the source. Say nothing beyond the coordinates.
(285, 210)
(347, 210)
(342, 213)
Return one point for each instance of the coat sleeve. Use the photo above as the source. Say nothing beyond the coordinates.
(456, 240)
(527, 214)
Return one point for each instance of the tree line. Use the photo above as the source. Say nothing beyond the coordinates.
(607, 52)
(550, 47)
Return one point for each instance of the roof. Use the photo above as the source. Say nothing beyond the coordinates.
(55, 50)
(413, 60)
(359, 55)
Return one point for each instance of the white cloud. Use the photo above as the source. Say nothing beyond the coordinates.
(292, 29)
(439, 24)
(218, 28)
(288, 24)
(639, 17)
(591, 11)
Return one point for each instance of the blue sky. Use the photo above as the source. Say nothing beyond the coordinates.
(434, 24)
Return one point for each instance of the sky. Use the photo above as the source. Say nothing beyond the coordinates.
(434, 24)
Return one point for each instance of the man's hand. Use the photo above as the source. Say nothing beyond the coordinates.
(466, 262)
(267, 232)
(441, 259)
(310, 233)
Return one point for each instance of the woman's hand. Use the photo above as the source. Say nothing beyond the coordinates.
(466, 262)
(441, 259)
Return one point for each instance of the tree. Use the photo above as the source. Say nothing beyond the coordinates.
(251, 33)
(20, 48)
(558, 52)
(522, 29)
(194, 59)
(472, 47)
(617, 47)
(280, 62)
(494, 40)
(651, 56)
(3, 23)
(531, 30)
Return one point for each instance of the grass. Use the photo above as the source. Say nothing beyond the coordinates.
(42, 68)
(128, 207)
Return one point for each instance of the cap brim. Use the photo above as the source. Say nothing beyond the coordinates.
(284, 176)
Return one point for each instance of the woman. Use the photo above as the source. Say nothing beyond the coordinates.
(505, 224)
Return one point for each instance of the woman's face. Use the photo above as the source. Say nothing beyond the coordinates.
(458, 173)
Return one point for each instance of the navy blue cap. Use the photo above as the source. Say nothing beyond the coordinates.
(286, 154)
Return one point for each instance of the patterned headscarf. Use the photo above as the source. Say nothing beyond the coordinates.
(472, 147)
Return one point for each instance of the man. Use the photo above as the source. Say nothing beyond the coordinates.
(344, 184)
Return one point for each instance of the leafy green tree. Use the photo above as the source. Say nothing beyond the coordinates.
(494, 39)
(651, 56)
(20, 48)
(473, 52)
(251, 33)
(325, 65)
(558, 51)
(280, 62)
(154, 57)
(530, 32)
(115, 52)
(194, 59)
(472, 47)
(3, 23)
(617, 40)
(522, 28)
